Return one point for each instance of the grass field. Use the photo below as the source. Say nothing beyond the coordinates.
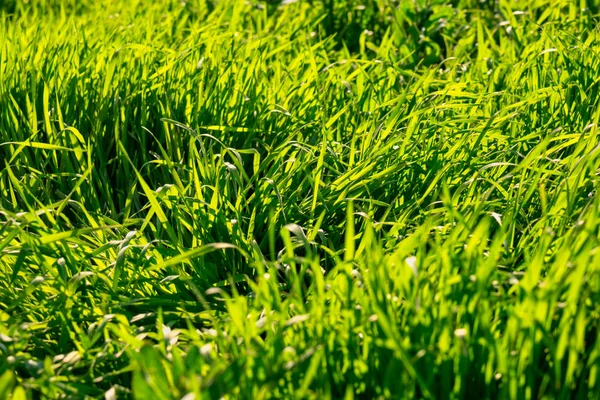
(303, 199)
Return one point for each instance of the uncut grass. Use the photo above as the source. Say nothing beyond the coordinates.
(227, 199)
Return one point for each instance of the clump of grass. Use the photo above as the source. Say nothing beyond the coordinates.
(231, 199)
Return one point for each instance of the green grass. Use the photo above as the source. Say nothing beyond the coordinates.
(318, 199)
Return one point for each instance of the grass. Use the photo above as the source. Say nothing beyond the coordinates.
(313, 199)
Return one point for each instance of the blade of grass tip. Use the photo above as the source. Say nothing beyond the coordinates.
(272, 235)
(349, 253)
(31, 115)
(20, 190)
(80, 181)
(315, 229)
(118, 269)
(61, 123)
(13, 233)
(18, 264)
(46, 109)
(60, 236)
(319, 171)
(155, 205)
(38, 145)
(170, 163)
(198, 252)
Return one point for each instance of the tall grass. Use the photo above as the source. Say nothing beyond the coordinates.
(312, 199)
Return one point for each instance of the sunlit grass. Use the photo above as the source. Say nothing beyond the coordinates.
(314, 199)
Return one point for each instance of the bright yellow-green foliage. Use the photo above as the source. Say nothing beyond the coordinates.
(305, 199)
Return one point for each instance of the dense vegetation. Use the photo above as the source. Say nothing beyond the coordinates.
(305, 199)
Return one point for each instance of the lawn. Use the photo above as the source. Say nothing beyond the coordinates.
(313, 199)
